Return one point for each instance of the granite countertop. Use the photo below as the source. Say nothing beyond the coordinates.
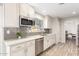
(16, 41)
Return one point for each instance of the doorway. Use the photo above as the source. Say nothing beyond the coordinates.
(70, 37)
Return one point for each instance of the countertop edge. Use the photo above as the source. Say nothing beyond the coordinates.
(17, 41)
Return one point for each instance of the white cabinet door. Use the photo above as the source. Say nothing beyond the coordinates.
(47, 22)
(17, 50)
(26, 10)
(49, 40)
(23, 49)
(50, 37)
(11, 15)
(53, 39)
(18, 53)
(31, 12)
(46, 42)
(30, 48)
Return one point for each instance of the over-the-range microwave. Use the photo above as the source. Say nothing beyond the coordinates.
(26, 22)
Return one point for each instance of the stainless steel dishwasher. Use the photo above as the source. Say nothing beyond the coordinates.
(39, 46)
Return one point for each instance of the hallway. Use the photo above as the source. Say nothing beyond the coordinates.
(61, 49)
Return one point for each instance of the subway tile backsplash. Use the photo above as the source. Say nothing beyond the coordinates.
(12, 34)
(13, 30)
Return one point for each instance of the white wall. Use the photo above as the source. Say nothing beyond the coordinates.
(2, 48)
(69, 24)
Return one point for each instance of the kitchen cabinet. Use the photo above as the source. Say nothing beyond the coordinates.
(46, 42)
(47, 22)
(49, 40)
(17, 50)
(52, 39)
(30, 48)
(26, 10)
(39, 16)
(11, 15)
(39, 24)
(39, 20)
(22, 49)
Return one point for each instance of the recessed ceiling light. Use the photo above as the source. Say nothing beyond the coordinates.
(60, 3)
(74, 12)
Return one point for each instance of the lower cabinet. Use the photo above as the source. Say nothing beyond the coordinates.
(18, 53)
(49, 40)
(46, 42)
(23, 49)
(30, 48)
(17, 50)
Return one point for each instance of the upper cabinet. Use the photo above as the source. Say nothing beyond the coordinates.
(27, 10)
(47, 22)
(1, 15)
(39, 21)
(11, 15)
(39, 16)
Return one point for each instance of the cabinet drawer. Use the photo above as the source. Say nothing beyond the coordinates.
(18, 53)
(18, 47)
(30, 43)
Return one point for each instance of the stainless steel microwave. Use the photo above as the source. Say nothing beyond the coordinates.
(26, 22)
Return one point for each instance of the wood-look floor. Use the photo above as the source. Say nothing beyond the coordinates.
(62, 49)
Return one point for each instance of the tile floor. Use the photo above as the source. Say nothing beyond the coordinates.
(62, 49)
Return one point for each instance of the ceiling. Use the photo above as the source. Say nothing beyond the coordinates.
(57, 10)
